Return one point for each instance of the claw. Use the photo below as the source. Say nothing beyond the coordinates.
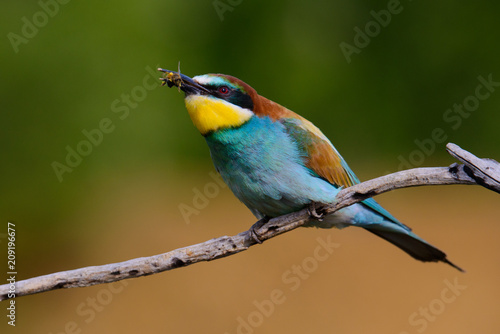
(253, 230)
(312, 210)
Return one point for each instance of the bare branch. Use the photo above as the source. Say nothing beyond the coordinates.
(483, 172)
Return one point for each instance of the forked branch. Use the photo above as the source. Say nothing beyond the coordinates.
(484, 172)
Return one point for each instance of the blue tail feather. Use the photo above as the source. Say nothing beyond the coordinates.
(413, 245)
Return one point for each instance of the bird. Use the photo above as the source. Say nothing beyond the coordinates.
(277, 162)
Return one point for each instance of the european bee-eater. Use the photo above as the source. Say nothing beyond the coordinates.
(277, 162)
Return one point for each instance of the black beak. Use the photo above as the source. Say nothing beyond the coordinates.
(188, 85)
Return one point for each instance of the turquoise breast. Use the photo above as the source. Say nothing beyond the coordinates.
(264, 168)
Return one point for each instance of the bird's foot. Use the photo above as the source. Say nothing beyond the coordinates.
(255, 227)
(313, 209)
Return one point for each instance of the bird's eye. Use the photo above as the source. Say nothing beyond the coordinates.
(223, 90)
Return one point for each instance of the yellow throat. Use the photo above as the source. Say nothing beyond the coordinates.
(210, 114)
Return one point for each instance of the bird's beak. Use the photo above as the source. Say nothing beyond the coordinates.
(188, 85)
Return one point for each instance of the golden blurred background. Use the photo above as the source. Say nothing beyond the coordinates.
(84, 72)
(358, 283)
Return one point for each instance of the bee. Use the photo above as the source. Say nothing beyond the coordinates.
(172, 78)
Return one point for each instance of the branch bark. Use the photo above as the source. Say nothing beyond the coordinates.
(484, 172)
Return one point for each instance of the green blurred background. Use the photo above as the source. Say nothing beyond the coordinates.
(122, 200)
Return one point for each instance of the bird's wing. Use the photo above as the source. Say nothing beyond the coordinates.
(318, 152)
(321, 157)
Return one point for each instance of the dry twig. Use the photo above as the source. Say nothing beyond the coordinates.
(484, 172)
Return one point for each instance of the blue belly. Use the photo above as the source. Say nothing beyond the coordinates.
(265, 170)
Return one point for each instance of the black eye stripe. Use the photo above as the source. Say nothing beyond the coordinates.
(234, 95)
